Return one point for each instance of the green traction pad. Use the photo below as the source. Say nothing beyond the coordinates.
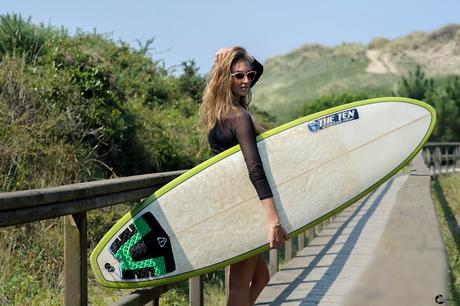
(144, 250)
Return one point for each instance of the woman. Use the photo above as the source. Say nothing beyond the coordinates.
(226, 122)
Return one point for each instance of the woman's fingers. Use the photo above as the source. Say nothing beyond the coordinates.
(221, 53)
(277, 237)
(285, 235)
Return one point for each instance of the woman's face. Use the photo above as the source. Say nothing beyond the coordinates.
(240, 85)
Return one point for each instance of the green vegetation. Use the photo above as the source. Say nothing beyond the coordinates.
(314, 71)
(86, 107)
(443, 96)
(446, 196)
(79, 108)
(311, 72)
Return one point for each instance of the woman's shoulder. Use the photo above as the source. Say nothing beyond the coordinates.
(239, 117)
(239, 113)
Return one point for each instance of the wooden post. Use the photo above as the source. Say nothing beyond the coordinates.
(457, 156)
(437, 161)
(195, 291)
(430, 159)
(274, 264)
(446, 157)
(287, 250)
(75, 260)
(426, 156)
(318, 228)
(440, 159)
(227, 271)
(301, 240)
(311, 234)
(454, 158)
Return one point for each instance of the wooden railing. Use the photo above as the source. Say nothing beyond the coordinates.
(72, 202)
(442, 157)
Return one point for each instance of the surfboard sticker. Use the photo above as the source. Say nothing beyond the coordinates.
(334, 119)
(143, 250)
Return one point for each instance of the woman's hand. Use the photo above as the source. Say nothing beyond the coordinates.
(276, 233)
(221, 53)
(277, 236)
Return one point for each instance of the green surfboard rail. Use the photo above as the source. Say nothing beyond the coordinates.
(197, 169)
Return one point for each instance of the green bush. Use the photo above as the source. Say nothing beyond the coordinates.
(444, 98)
(332, 100)
(79, 108)
(21, 38)
(89, 99)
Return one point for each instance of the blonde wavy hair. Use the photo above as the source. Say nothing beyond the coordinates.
(218, 96)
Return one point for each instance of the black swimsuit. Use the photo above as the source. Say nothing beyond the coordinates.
(238, 128)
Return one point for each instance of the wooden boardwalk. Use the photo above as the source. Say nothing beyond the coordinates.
(331, 269)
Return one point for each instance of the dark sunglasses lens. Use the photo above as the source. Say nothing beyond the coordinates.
(239, 76)
(251, 75)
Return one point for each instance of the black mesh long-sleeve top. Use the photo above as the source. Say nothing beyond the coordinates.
(237, 128)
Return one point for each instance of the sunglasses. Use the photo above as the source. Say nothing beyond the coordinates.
(240, 75)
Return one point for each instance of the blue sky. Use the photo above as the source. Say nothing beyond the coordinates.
(186, 30)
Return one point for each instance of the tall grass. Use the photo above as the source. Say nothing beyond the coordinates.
(31, 261)
(446, 196)
(20, 38)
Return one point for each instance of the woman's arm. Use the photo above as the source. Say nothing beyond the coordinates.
(245, 134)
(276, 233)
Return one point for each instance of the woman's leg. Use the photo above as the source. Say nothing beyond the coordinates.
(259, 280)
(239, 279)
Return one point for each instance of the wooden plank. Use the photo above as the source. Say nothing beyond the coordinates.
(19, 216)
(75, 260)
(319, 274)
(74, 192)
(143, 296)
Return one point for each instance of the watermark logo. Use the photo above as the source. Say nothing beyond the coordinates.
(440, 299)
(336, 118)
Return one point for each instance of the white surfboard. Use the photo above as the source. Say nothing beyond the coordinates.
(210, 216)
